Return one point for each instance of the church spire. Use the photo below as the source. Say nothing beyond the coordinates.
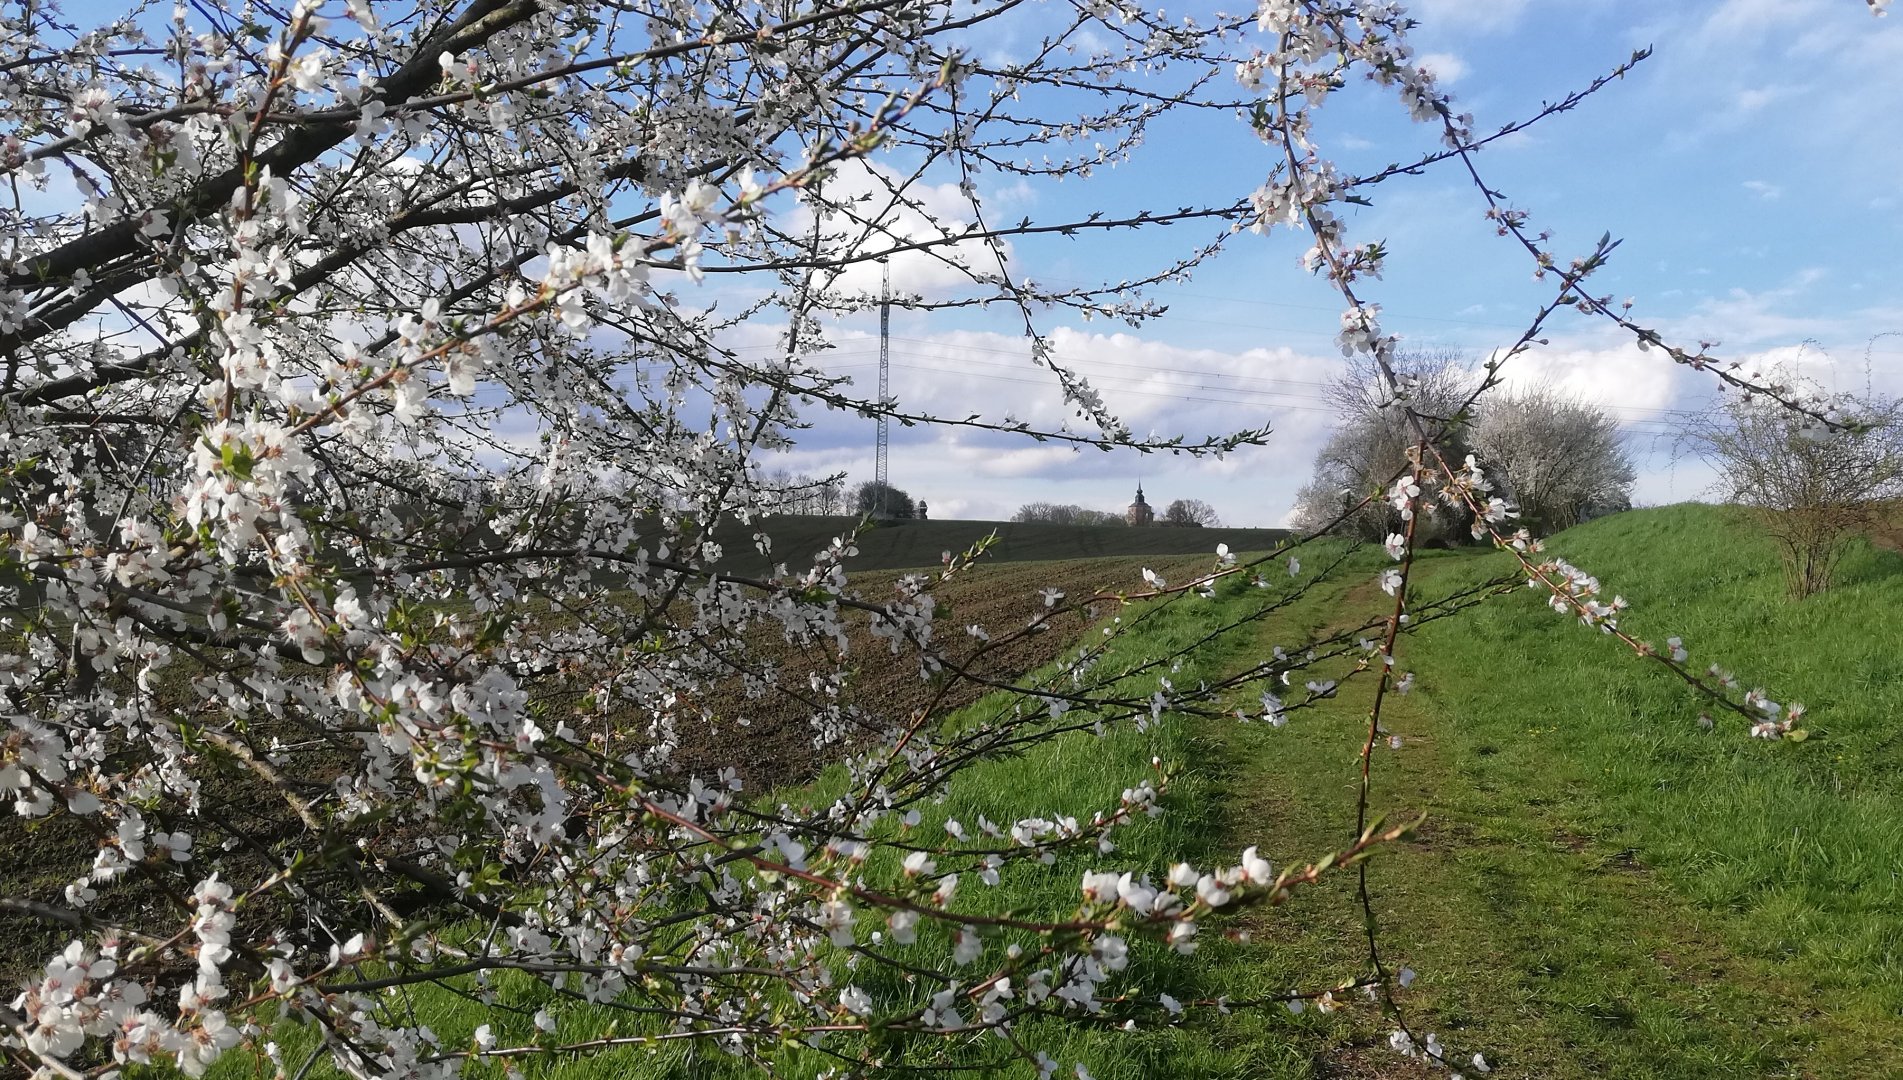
(1139, 512)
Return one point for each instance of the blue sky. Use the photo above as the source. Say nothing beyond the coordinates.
(1753, 166)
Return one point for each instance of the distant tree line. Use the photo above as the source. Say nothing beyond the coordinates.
(1190, 513)
(798, 493)
(1050, 513)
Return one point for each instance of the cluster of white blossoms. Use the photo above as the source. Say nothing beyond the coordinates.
(241, 473)
(1430, 1051)
(82, 994)
(616, 277)
(1575, 592)
(1773, 725)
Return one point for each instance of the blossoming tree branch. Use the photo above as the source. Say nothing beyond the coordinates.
(341, 695)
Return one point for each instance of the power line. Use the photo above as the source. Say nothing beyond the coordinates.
(1664, 419)
(1084, 366)
(1334, 309)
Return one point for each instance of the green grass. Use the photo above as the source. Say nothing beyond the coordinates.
(1078, 774)
(1602, 888)
(1781, 860)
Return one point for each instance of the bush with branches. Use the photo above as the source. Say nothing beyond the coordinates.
(1811, 486)
(1558, 460)
(1376, 431)
(333, 696)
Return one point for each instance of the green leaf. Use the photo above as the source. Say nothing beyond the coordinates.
(237, 460)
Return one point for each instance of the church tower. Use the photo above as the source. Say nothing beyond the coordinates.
(1139, 512)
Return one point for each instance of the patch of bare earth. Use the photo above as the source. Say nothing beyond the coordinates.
(774, 748)
(1887, 532)
(770, 740)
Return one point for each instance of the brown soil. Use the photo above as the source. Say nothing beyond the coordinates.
(776, 746)
(774, 749)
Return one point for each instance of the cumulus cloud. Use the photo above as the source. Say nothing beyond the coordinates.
(1619, 377)
(1444, 66)
(1154, 387)
(871, 207)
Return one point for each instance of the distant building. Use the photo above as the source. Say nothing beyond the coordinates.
(1140, 512)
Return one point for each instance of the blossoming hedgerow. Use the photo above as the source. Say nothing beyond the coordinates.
(375, 378)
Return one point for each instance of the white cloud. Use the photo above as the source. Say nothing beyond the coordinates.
(1024, 461)
(1444, 66)
(1160, 387)
(875, 207)
(1470, 15)
(1736, 20)
(1631, 384)
(1763, 189)
(1163, 388)
(1753, 98)
(1154, 387)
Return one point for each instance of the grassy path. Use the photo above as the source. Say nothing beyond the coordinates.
(1543, 934)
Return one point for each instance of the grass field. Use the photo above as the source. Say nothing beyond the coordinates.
(1603, 888)
(1754, 885)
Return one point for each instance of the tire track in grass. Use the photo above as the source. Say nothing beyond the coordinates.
(1552, 952)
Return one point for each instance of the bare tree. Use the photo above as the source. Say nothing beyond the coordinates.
(829, 497)
(1810, 486)
(1375, 437)
(787, 493)
(1558, 459)
(1193, 513)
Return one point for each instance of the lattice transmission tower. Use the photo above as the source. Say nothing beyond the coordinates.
(882, 486)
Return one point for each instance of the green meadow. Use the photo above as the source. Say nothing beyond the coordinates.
(1603, 887)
